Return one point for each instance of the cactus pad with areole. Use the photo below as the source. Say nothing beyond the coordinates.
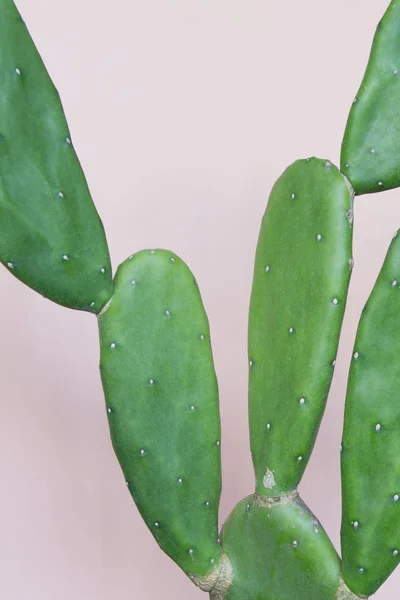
(371, 438)
(51, 236)
(301, 277)
(371, 146)
(162, 404)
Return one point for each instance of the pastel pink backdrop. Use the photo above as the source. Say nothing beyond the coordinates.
(183, 112)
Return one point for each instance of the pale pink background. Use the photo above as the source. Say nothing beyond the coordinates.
(183, 113)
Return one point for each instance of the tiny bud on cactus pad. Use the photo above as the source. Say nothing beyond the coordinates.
(51, 236)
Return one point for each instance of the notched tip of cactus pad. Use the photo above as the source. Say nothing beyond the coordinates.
(217, 581)
(344, 593)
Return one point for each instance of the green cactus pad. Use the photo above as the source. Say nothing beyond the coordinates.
(162, 402)
(278, 551)
(51, 237)
(371, 145)
(371, 438)
(302, 272)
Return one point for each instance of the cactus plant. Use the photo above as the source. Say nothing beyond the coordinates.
(156, 360)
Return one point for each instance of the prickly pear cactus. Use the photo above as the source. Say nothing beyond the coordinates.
(156, 362)
(51, 237)
(162, 402)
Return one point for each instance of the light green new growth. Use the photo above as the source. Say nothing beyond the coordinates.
(156, 362)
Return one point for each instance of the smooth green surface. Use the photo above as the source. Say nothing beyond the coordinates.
(279, 553)
(371, 438)
(162, 402)
(51, 237)
(302, 271)
(371, 145)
